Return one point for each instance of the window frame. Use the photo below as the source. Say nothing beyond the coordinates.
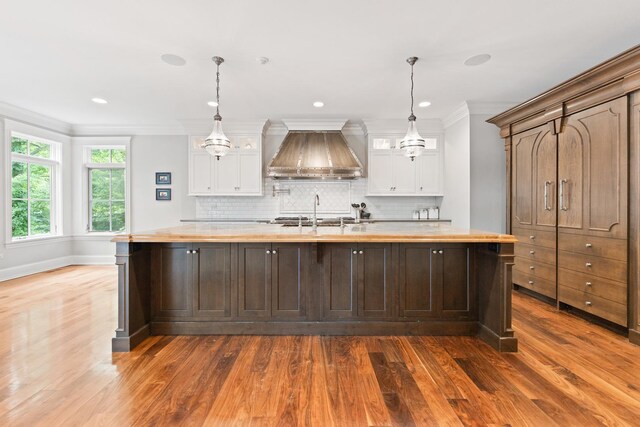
(87, 144)
(54, 162)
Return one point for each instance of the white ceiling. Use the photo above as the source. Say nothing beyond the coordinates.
(57, 55)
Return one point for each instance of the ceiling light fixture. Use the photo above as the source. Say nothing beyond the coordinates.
(217, 144)
(318, 104)
(477, 60)
(424, 104)
(99, 100)
(412, 143)
(171, 59)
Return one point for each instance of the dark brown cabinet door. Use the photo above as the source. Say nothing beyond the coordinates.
(418, 297)
(545, 157)
(289, 278)
(340, 280)
(171, 280)
(455, 265)
(522, 177)
(254, 280)
(374, 280)
(212, 280)
(593, 171)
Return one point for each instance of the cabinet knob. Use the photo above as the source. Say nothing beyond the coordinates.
(420, 188)
(208, 188)
(355, 252)
(440, 251)
(588, 245)
(532, 252)
(435, 252)
(588, 303)
(532, 237)
(531, 267)
(587, 264)
(588, 283)
(188, 251)
(360, 252)
(268, 251)
(274, 252)
(531, 282)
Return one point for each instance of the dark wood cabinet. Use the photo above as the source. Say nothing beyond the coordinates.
(171, 280)
(211, 280)
(272, 280)
(357, 280)
(435, 281)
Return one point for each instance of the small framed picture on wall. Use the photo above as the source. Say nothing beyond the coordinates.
(163, 178)
(163, 194)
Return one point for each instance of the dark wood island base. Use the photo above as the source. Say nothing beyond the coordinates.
(315, 288)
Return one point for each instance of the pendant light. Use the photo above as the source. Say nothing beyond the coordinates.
(412, 143)
(217, 144)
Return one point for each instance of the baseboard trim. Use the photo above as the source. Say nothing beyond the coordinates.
(51, 264)
(125, 344)
(634, 336)
(502, 344)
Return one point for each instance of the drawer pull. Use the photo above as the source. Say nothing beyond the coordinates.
(531, 267)
(531, 282)
(588, 303)
(588, 283)
(587, 264)
(588, 245)
(532, 252)
(440, 251)
(532, 237)
(434, 251)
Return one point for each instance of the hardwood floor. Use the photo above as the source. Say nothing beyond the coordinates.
(56, 368)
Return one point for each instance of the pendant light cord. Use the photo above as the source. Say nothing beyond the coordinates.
(411, 94)
(217, 90)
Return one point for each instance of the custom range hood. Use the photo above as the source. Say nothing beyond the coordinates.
(314, 152)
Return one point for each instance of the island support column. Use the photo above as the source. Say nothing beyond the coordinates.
(134, 311)
(494, 263)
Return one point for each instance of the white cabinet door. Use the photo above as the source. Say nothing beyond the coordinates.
(250, 177)
(430, 174)
(380, 175)
(226, 174)
(200, 181)
(404, 174)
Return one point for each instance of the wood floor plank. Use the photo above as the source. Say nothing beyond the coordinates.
(56, 368)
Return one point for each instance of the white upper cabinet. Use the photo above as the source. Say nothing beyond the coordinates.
(391, 173)
(238, 173)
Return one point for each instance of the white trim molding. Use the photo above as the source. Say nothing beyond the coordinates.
(460, 112)
(51, 264)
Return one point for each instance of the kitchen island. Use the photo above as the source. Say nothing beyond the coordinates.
(359, 279)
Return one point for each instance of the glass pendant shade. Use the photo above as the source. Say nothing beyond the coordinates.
(412, 143)
(217, 144)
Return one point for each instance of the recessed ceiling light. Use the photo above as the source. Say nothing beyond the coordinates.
(99, 100)
(477, 60)
(172, 59)
(318, 104)
(424, 104)
(212, 104)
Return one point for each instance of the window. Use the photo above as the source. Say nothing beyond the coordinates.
(107, 183)
(34, 172)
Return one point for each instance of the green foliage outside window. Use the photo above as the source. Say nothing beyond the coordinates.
(107, 192)
(30, 189)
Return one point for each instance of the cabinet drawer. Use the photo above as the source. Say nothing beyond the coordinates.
(535, 253)
(598, 246)
(612, 311)
(535, 284)
(603, 288)
(536, 237)
(536, 269)
(597, 266)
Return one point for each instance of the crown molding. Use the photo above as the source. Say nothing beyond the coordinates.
(32, 118)
(425, 126)
(460, 112)
(489, 108)
(314, 124)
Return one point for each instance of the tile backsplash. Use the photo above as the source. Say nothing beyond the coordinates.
(335, 200)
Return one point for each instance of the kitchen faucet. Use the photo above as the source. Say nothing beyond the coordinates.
(316, 202)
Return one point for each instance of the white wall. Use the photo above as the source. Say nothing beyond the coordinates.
(488, 185)
(456, 204)
(151, 154)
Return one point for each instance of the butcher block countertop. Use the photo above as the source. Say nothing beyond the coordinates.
(378, 232)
